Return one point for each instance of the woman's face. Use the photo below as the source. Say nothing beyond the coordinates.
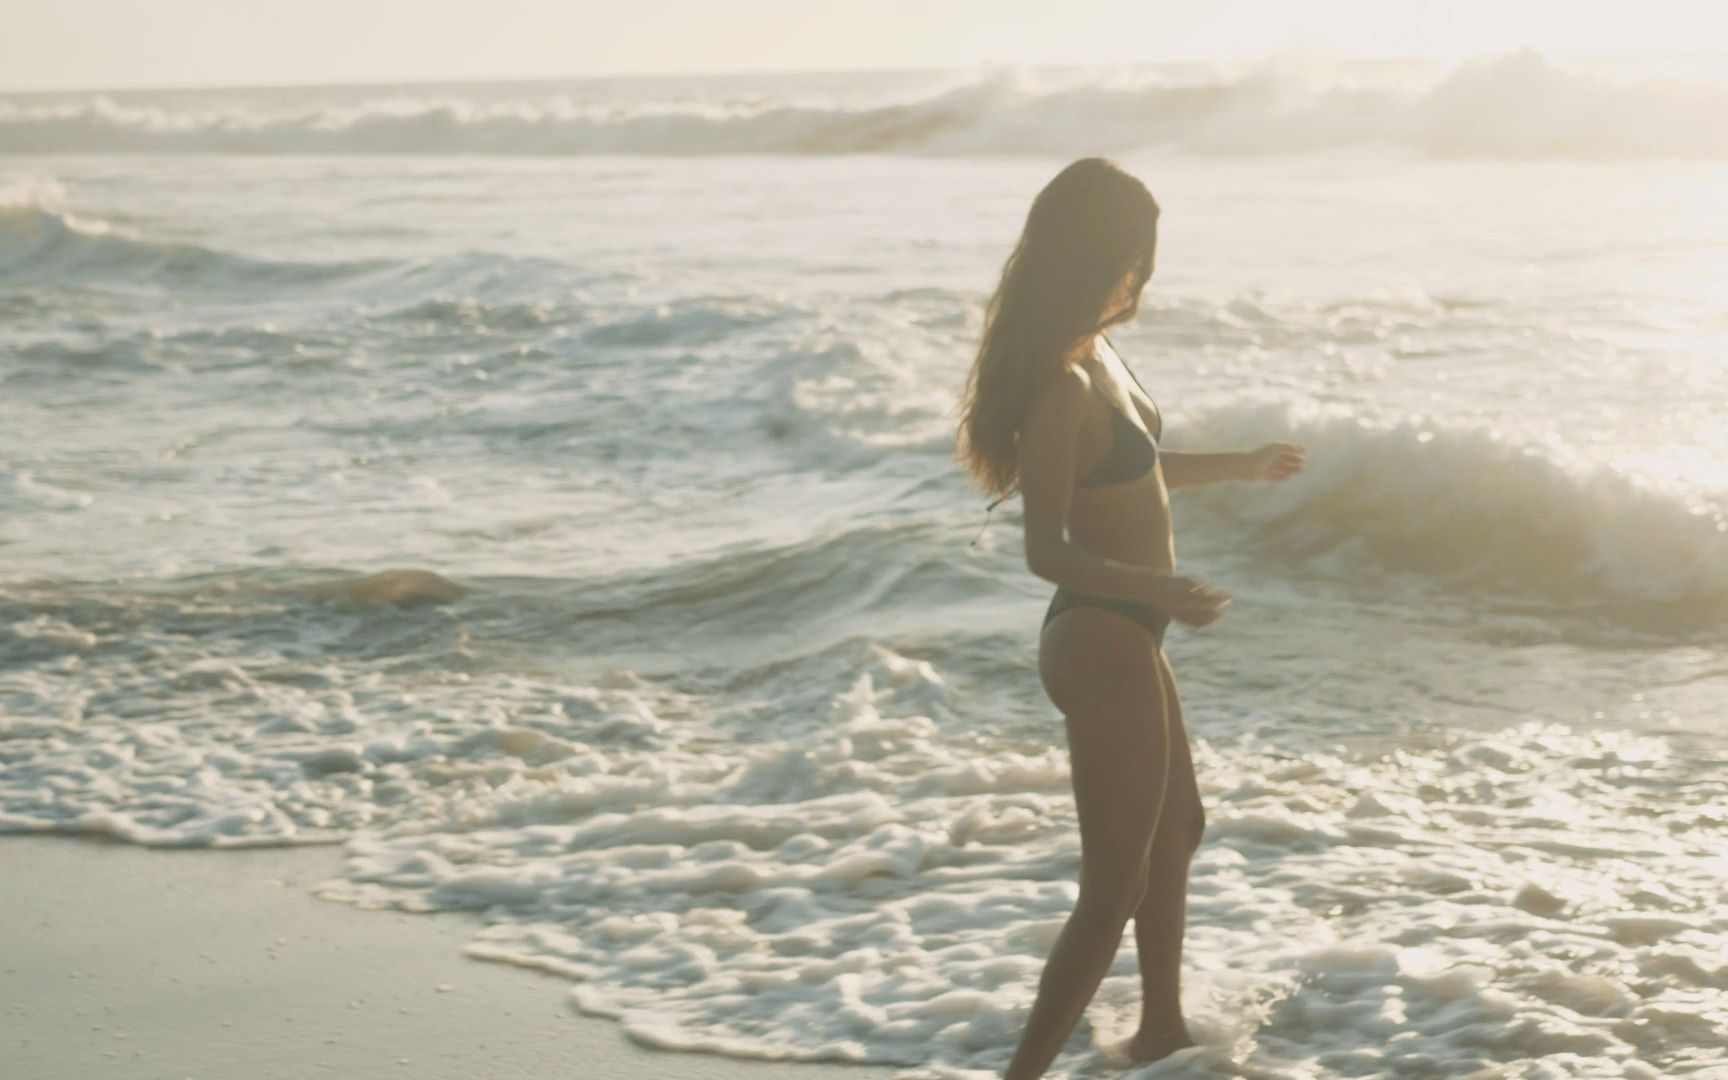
(1132, 281)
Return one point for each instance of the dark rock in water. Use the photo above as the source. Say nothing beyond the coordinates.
(336, 759)
(404, 588)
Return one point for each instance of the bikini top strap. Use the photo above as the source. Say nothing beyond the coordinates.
(1156, 411)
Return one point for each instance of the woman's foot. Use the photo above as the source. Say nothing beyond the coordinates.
(1151, 1045)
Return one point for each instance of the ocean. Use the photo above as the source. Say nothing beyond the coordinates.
(546, 490)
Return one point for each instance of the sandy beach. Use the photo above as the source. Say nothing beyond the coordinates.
(133, 964)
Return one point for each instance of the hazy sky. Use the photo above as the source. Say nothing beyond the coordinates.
(117, 43)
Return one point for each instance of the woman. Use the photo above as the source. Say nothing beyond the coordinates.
(1051, 411)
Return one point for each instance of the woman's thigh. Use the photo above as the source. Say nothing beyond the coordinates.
(1182, 815)
(1102, 670)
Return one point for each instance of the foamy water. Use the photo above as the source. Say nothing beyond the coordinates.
(546, 493)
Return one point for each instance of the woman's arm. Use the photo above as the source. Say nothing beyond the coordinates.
(1274, 461)
(1048, 443)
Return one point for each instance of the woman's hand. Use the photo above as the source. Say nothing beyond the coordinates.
(1276, 461)
(1189, 601)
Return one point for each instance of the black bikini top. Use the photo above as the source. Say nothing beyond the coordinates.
(1133, 450)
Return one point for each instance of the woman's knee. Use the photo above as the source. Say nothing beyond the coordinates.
(1113, 897)
(1183, 828)
(1196, 830)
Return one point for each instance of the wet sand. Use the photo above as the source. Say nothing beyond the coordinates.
(136, 964)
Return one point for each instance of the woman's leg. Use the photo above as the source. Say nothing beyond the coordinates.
(1160, 919)
(1100, 670)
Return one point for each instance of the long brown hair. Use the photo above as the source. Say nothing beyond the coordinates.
(1090, 226)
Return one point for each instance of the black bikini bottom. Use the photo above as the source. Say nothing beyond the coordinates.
(1064, 599)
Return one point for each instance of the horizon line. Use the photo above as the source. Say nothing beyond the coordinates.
(626, 76)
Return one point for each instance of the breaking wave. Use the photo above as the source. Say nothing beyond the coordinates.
(1518, 105)
(1477, 512)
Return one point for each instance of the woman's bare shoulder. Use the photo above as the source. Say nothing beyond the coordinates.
(1061, 398)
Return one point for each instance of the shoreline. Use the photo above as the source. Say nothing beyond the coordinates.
(133, 963)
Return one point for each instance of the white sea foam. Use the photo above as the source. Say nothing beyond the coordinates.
(858, 886)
